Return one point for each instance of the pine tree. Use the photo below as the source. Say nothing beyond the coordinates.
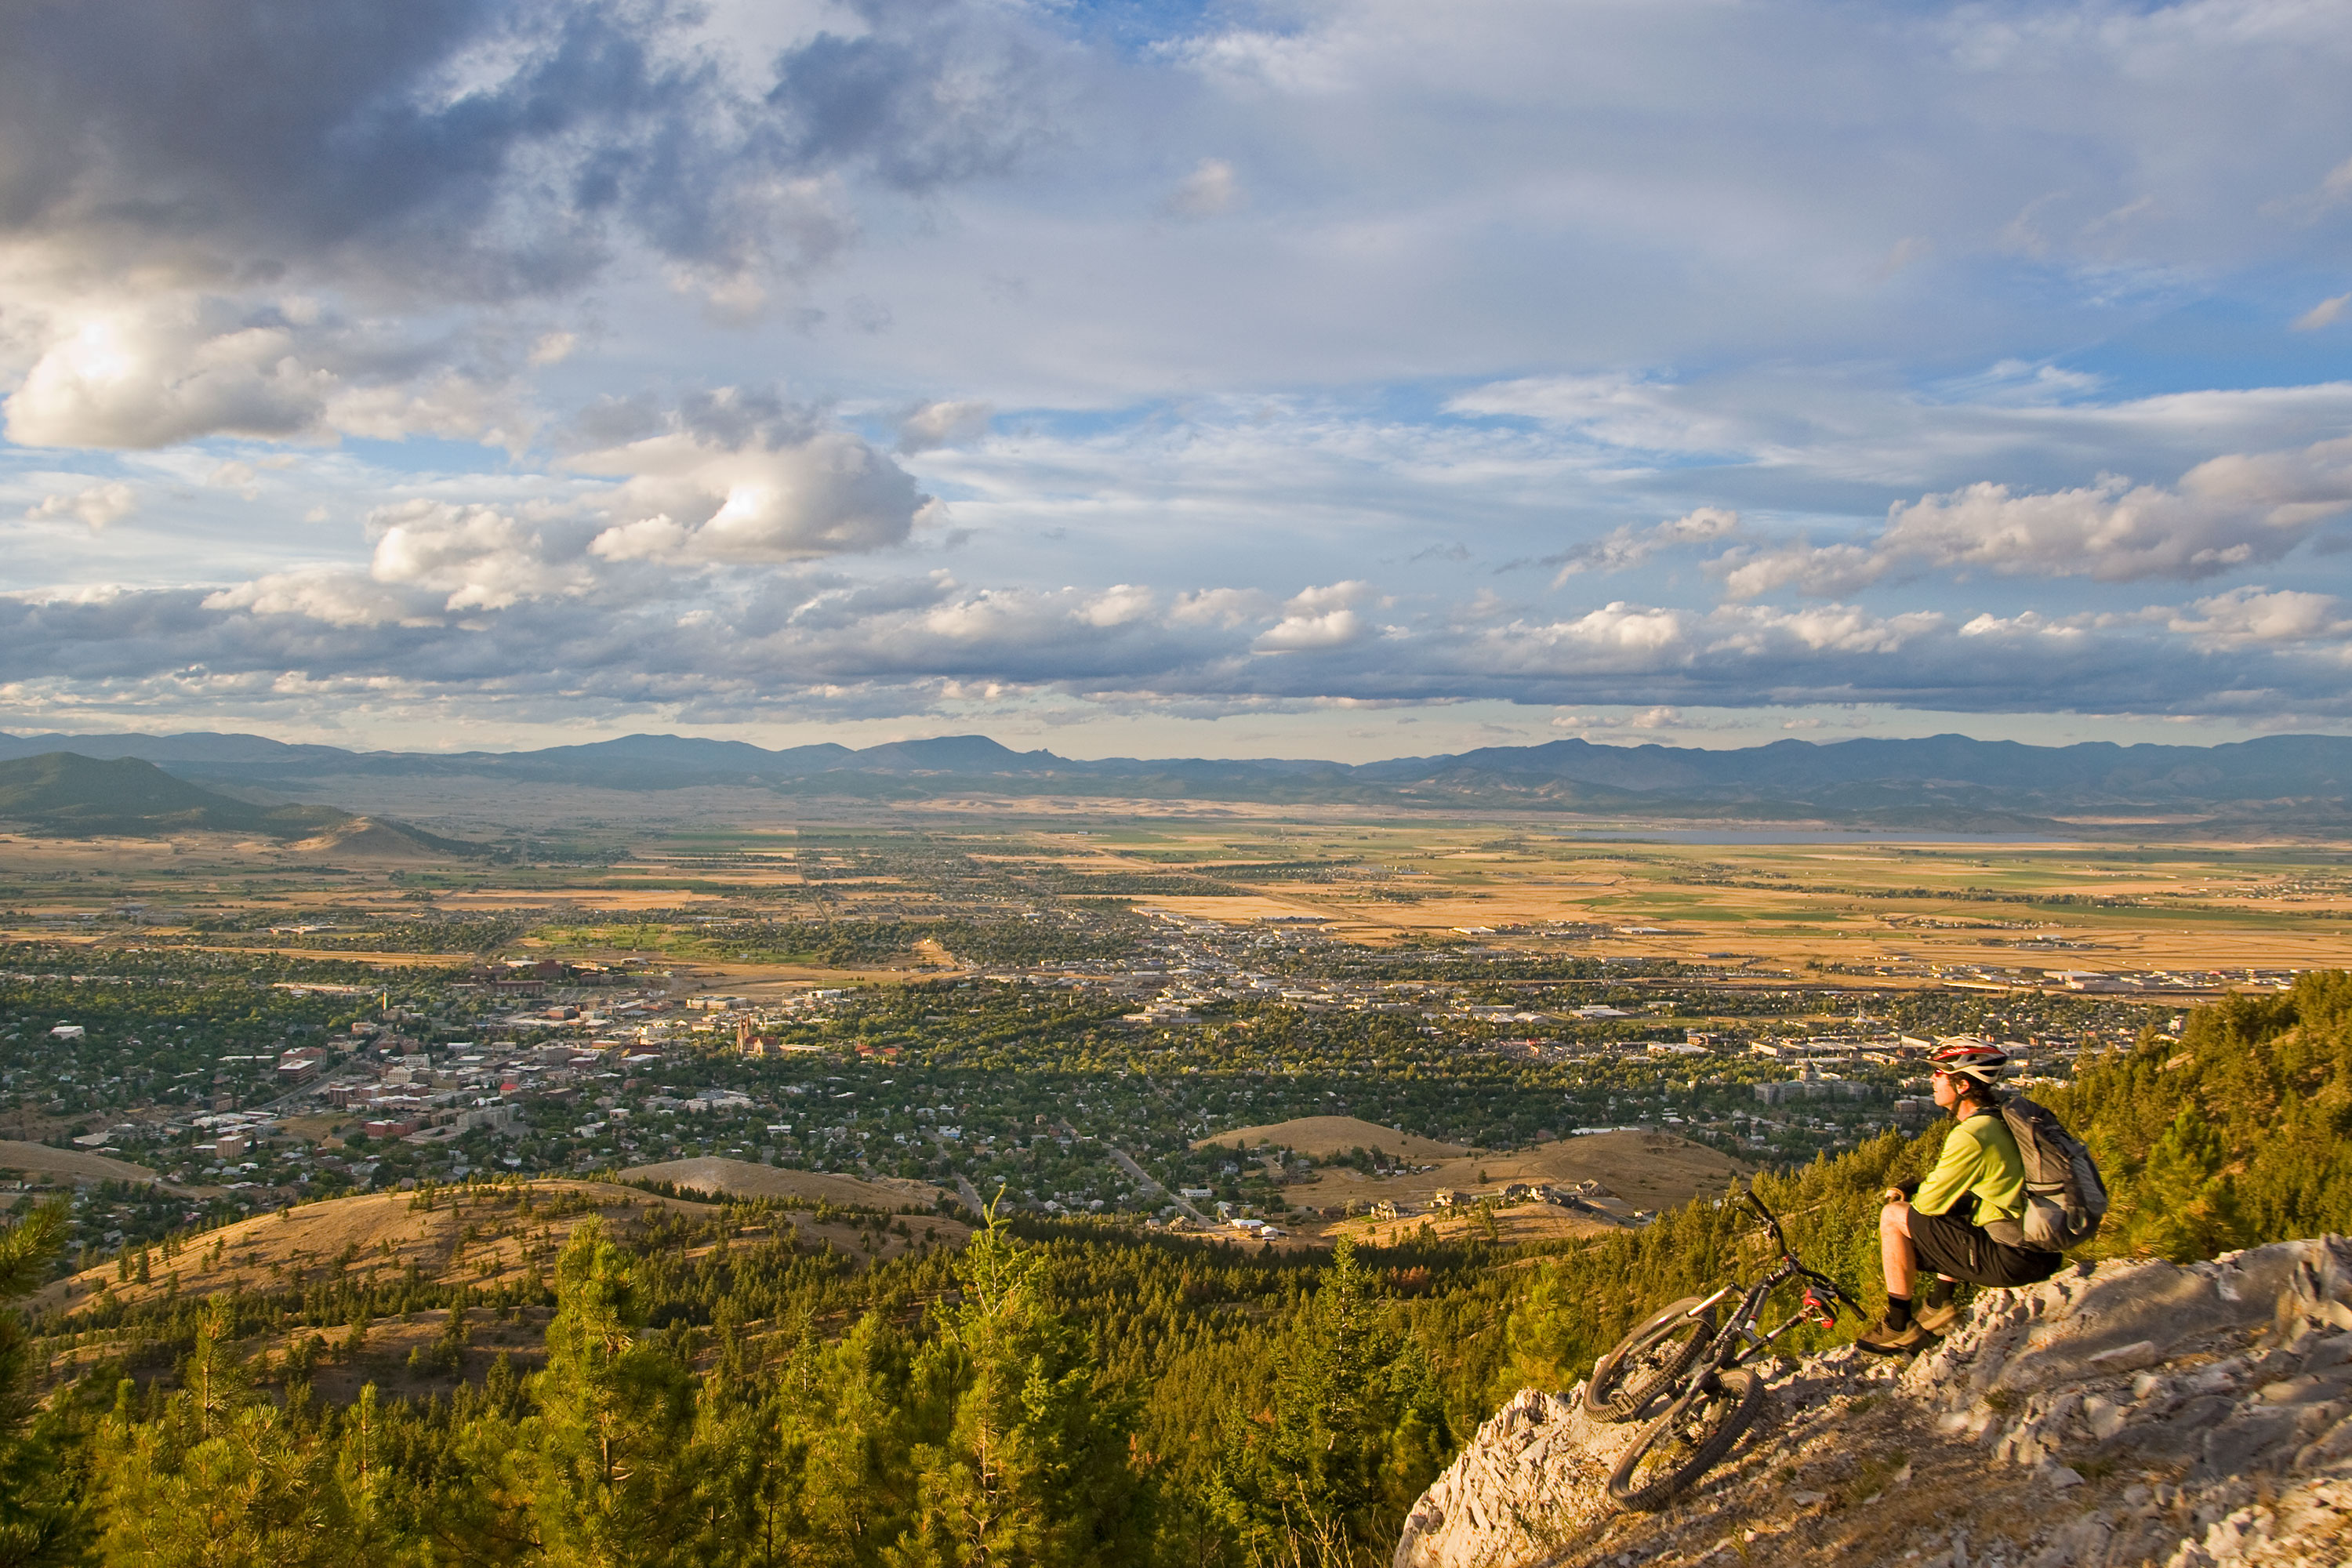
(844, 1435)
(222, 1477)
(40, 1521)
(1033, 1468)
(1355, 1432)
(606, 1464)
(2185, 1202)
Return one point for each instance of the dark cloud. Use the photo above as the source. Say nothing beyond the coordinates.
(486, 147)
(926, 97)
(617, 421)
(733, 416)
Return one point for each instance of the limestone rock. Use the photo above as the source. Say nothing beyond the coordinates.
(1533, 1479)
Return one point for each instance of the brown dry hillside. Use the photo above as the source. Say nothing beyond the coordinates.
(744, 1178)
(40, 1160)
(364, 838)
(380, 1234)
(1520, 1225)
(473, 1236)
(1642, 1170)
(1321, 1135)
(1648, 1170)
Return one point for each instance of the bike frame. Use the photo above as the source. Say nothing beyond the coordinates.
(1737, 1341)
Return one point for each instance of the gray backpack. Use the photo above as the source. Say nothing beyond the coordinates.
(2064, 1199)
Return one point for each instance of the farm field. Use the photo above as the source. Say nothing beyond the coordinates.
(1873, 906)
(1893, 910)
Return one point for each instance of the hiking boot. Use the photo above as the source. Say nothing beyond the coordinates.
(1884, 1341)
(1937, 1320)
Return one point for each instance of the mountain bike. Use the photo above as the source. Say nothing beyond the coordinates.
(1679, 1350)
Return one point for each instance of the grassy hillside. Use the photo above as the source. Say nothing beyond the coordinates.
(66, 794)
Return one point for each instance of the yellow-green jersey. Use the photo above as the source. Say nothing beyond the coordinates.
(1980, 1157)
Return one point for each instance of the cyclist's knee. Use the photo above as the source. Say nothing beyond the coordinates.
(1894, 1219)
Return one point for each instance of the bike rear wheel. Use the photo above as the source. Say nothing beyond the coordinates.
(1687, 1441)
(1647, 1362)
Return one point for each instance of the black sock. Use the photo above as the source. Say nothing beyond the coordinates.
(1937, 1293)
(1898, 1312)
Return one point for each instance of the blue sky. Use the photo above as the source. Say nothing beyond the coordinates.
(1332, 379)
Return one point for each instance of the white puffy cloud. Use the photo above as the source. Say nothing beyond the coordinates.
(95, 505)
(1748, 571)
(2245, 616)
(1118, 604)
(177, 367)
(736, 477)
(1620, 635)
(479, 557)
(1828, 629)
(190, 233)
(1317, 618)
(2077, 629)
(330, 594)
(2226, 513)
(1225, 607)
(153, 377)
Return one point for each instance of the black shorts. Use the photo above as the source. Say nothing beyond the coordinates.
(1944, 1245)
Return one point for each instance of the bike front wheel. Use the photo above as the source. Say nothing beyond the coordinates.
(1648, 1361)
(1687, 1441)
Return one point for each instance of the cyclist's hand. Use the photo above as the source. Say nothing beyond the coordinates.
(1893, 1195)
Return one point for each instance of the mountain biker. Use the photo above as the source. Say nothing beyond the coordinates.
(1962, 1222)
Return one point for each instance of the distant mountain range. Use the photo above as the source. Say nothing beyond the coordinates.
(1942, 781)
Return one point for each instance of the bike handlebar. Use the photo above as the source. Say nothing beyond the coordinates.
(1789, 1253)
(1778, 1236)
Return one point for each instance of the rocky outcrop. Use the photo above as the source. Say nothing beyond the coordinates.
(2133, 1414)
(1532, 1481)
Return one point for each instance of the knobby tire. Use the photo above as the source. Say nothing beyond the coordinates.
(1647, 1362)
(1686, 1442)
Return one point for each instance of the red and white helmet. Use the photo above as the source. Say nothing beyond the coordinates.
(1971, 1059)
